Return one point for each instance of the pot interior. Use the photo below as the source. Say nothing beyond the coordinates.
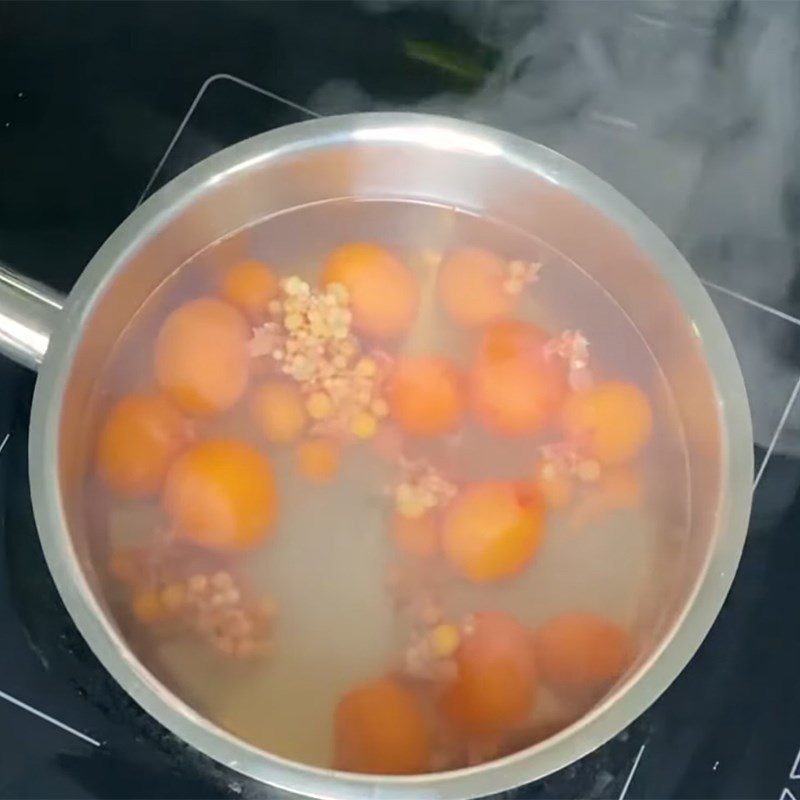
(421, 183)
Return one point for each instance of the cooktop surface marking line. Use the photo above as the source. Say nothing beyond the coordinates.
(777, 434)
(30, 709)
(795, 773)
(755, 303)
(47, 718)
(635, 766)
(206, 84)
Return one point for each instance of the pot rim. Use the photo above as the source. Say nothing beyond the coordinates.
(625, 702)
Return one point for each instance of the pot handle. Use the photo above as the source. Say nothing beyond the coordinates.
(28, 312)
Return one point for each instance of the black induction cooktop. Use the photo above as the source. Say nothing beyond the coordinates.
(100, 104)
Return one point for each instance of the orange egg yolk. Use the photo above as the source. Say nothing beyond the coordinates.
(495, 686)
(471, 287)
(582, 651)
(278, 409)
(425, 395)
(201, 356)
(384, 294)
(250, 286)
(380, 728)
(139, 437)
(221, 494)
(613, 419)
(492, 530)
(514, 390)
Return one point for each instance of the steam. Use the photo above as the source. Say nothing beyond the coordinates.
(689, 109)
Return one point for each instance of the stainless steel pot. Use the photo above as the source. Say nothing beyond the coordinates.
(391, 156)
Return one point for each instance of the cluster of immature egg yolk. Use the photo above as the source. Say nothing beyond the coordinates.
(430, 655)
(492, 530)
(421, 489)
(380, 728)
(573, 348)
(384, 294)
(220, 493)
(557, 468)
(140, 436)
(350, 403)
(582, 651)
(212, 606)
(495, 684)
(514, 389)
(417, 589)
(215, 607)
(310, 340)
(316, 327)
(201, 356)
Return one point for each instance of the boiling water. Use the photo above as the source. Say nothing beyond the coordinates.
(327, 564)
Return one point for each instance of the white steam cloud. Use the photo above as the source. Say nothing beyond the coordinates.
(689, 108)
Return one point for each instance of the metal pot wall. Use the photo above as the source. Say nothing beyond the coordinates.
(397, 156)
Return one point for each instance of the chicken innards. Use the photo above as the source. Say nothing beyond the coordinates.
(260, 365)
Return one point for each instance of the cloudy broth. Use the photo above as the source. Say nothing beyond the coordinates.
(301, 618)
